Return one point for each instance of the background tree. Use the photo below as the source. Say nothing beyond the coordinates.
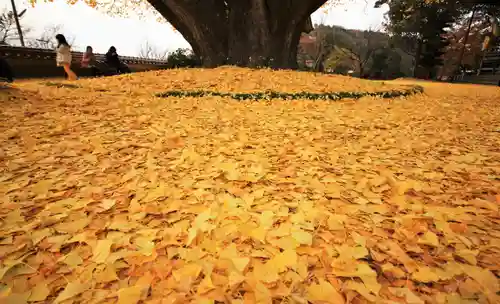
(150, 51)
(431, 31)
(359, 47)
(466, 37)
(180, 58)
(387, 63)
(183, 58)
(438, 18)
(323, 46)
(8, 30)
(419, 26)
(345, 50)
(46, 39)
(315, 46)
(338, 63)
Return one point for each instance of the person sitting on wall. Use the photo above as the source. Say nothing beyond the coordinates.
(89, 62)
(5, 70)
(113, 61)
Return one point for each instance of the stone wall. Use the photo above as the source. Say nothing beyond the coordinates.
(39, 63)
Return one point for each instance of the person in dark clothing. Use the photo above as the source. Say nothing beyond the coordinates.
(5, 70)
(113, 61)
(112, 58)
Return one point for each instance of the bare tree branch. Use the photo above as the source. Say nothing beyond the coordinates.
(149, 51)
(8, 30)
(46, 40)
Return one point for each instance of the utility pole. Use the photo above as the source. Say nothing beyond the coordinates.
(18, 25)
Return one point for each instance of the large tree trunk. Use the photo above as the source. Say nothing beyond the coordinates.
(361, 67)
(416, 62)
(241, 32)
(206, 32)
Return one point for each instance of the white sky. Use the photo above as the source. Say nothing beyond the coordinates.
(95, 28)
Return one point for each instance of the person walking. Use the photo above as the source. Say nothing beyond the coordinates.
(63, 56)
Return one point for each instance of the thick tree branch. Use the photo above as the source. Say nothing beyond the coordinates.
(282, 11)
(206, 32)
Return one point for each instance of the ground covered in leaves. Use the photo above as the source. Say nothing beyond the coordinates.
(111, 195)
(239, 80)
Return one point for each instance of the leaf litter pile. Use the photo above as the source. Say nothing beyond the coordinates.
(111, 195)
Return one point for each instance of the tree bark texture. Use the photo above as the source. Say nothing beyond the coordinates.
(248, 33)
(418, 54)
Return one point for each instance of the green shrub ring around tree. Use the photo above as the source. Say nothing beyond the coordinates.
(268, 95)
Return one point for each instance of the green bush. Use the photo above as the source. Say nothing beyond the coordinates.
(268, 95)
(183, 58)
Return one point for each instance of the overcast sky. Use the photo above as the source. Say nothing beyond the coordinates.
(92, 27)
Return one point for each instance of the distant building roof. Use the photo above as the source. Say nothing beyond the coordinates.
(307, 39)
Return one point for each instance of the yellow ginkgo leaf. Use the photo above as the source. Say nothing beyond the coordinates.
(108, 274)
(39, 293)
(205, 285)
(72, 290)
(107, 204)
(324, 292)
(235, 278)
(72, 259)
(259, 234)
(284, 260)
(145, 245)
(101, 251)
(42, 187)
(265, 272)
(468, 255)
(192, 234)
(406, 293)
(425, 275)
(240, 263)
(73, 226)
(266, 219)
(302, 237)
(429, 238)
(189, 271)
(262, 294)
(130, 295)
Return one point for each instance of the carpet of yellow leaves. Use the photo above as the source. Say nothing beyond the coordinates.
(116, 196)
(230, 79)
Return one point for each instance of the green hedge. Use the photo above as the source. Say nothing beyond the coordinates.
(62, 85)
(267, 95)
